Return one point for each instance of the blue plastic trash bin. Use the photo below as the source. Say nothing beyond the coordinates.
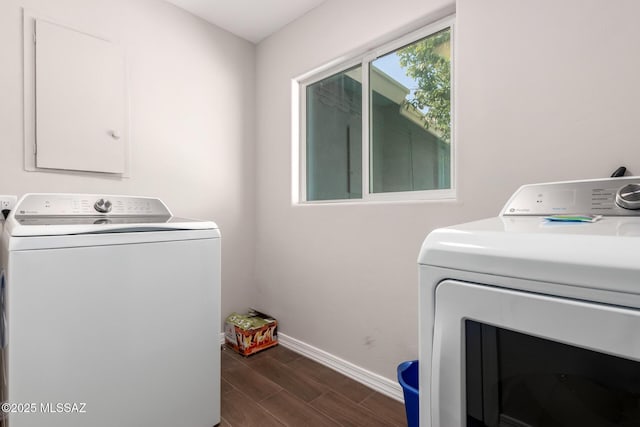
(408, 379)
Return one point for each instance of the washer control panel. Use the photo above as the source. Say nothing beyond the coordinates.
(609, 197)
(89, 205)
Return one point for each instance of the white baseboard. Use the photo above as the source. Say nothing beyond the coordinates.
(372, 380)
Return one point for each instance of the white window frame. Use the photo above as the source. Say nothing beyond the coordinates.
(364, 59)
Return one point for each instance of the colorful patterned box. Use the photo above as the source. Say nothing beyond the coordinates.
(250, 333)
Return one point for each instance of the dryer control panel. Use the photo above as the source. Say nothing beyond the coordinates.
(609, 197)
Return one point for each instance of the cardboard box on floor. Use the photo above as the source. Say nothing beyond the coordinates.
(250, 333)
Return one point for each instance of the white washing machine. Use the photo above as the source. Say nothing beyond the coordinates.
(528, 322)
(111, 314)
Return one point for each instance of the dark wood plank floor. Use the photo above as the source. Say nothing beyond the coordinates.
(279, 387)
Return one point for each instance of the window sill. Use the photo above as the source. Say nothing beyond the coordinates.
(405, 197)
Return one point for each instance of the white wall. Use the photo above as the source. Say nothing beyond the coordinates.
(546, 90)
(191, 89)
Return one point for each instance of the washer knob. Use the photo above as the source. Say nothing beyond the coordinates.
(628, 197)
(102, 206)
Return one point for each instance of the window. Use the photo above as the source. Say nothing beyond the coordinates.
(379, 127)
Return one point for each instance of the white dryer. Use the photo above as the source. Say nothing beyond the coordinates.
(111, 314)
(526, 321)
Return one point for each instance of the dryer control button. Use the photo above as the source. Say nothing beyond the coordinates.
(628, 197)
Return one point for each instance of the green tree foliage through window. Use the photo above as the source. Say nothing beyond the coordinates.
(429, 63)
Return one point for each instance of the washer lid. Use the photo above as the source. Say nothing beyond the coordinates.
(67, 214)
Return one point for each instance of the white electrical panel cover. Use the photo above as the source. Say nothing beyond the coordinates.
(80, 101)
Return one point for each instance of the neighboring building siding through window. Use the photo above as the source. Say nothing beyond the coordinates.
(334, 138)
(405, 155)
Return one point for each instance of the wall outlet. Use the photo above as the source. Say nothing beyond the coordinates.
(7, 202)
